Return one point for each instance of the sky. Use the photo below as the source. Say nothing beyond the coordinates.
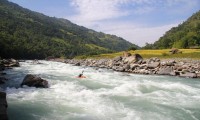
(137, 21)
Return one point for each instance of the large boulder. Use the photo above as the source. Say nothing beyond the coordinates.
(165, 71)
(153, 65)
(10, 63)
(133, 59)
(34, 81)
(154, 59)
(3, 106)
(126, 54)
(198, 75)
(188, 74)
(118, 58)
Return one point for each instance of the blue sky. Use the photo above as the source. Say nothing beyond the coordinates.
(138, 21)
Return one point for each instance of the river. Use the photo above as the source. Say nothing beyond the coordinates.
(103, 95)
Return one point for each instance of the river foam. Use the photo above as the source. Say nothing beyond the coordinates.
(103, 95)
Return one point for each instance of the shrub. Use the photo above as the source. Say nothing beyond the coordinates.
(165, 54)
(132, 48)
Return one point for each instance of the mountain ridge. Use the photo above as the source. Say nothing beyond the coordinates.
(28, 34)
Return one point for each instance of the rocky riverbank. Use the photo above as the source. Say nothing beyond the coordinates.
(136, 64)
(5, 64)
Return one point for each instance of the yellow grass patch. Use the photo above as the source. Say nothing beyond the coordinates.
(162, 54)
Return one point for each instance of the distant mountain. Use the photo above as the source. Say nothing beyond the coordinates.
(186, 35)
(27, 34)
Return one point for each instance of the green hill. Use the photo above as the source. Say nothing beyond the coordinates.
(27, 34)
(186, 35)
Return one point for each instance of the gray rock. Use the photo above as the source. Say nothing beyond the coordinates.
(120, 69)
(109, 63)
(34, 81)
(102, 61)
(116, 59)
(133, 59)
(189, 75)
(198, 75)
(153, 65)
(170, 63)
(126, 67)
(126, 54)
(10, 63)
(143, 66)
(77, 64)
(165, 71)
(133, 66)
(154, 59)
(139, 61)
(3, 106)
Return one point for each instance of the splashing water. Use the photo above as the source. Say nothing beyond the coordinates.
(103, 95)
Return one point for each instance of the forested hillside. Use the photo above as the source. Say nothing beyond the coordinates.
(29, 35)
(186, 35)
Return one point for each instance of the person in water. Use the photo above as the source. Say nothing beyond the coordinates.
(81, 75)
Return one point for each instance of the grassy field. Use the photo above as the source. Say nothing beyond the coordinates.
(162, 54)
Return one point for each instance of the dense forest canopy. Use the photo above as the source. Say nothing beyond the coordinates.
(186, 35)
(29, 35)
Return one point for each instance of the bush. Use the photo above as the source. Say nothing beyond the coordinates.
(132, 48)
(165, 54)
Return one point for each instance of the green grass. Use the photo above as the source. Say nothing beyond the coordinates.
(162, 54)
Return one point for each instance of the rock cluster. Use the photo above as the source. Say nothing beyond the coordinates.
(9, 63)
(5, 63)
(136, 64)
(34, 81)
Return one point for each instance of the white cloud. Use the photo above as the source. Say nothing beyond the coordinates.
(96, 10)
(89, 11)
(105, 15)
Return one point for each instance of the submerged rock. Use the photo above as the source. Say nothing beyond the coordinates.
(34, 81)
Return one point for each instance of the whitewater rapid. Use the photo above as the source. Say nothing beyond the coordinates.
(103, 95)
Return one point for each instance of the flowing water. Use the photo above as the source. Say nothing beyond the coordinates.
(103, 95)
